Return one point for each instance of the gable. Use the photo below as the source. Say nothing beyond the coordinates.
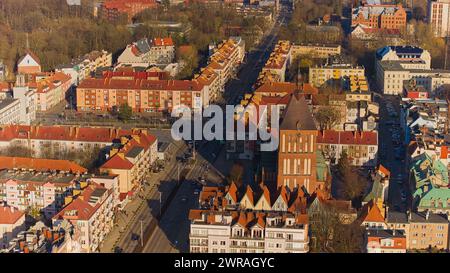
(28, 61)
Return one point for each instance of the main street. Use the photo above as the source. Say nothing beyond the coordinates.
(398, 182)
(172, 233)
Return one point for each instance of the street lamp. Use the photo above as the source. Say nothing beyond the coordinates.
(142, 234)
(160, 203)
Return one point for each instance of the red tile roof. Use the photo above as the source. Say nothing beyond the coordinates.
(383, 170)
(119, 160)
(141, 84)
(277, 87)
(84, 210)
(347, 137)
(40, 164)
(88, 134)
(9, 215)
(153, 75)
(163, 41)
(370, 212)
(49, 82)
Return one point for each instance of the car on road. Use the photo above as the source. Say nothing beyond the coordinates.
(134, 237)
(184, 199)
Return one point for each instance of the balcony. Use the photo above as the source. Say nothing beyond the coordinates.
(304, 249)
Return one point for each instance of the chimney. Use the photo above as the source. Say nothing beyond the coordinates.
(77, 130)
(427, 216)
(12, 209)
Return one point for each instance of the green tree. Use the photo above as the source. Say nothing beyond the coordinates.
(125, 112)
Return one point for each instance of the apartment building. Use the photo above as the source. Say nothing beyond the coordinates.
(322, 51)
(29, 189)
(427, 229)
(385, 241)
(319, 75)
(87, 218)
(61, 139)
(146, 52)
(141, 95)
(131, 160)
(397, 65)
(381, 16)
(211, 81)
(370, 34)
(40, 164)
(361, 147)
(111, 10)
(12, 221)
(298, 145)
(248, 232)
(10, 111)
(50, 88)
(439, 17)
(279, 60)
(85, 66)
(226, 59)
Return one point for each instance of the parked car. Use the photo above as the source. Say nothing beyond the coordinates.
(134, 237)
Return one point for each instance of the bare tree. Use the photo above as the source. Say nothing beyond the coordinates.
(327, 117)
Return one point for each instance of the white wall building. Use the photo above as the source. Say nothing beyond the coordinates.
(248, 232)
(439, 17)
(12, 221)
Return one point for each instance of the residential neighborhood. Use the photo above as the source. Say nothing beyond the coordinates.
(97, 157)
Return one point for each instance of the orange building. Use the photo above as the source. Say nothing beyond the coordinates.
(141, 95)
(112, 9)
(380, 16)
(297, 158)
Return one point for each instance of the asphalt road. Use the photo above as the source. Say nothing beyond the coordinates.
(172, 233)
(386, 148)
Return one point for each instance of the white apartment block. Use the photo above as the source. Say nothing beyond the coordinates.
(226, 59)
(397, 64)
(315, 50)
(439, 17)
(89, 216)
(248, 232)
(83, 67)
(20, 109)
(146, 52)
(319, 75)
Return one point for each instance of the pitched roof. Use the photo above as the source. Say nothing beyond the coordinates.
(87, 134)
(383, 170)
(81, 206)
(9, 215)
(141, 84)
(371, 213)
(40, 164)
(347, 137)
(32, 55)
(297, 115)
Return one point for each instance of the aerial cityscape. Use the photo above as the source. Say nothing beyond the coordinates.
(224, 126)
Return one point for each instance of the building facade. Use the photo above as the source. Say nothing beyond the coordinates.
(439, 17)
(87, 218)
(380, 16)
